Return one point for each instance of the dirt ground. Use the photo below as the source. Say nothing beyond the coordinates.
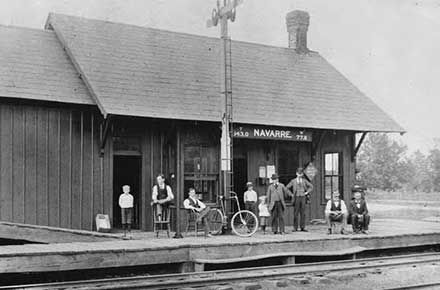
(404, 209)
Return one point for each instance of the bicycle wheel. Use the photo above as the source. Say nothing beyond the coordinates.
(244, 223)
(215, 217)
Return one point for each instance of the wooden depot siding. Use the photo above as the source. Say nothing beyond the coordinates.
(342, 142)
(262, 153)
(50, 169)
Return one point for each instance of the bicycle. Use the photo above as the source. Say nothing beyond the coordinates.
(244, 223)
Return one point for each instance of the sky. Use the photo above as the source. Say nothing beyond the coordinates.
(390, 49)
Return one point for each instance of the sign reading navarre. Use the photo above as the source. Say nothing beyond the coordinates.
(271, 133)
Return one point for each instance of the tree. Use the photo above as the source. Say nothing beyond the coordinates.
(422, 172)
(434, 163)
(383, 162)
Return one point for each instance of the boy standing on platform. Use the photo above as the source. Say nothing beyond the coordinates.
(126, 204)
(263, 211)
(250, 198)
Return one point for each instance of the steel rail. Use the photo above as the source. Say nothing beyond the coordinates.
(416, 286)
(195, 279)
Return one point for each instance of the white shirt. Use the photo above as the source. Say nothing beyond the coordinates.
(187, 205)
(126, 200)
(328, 207)
(250, 195)
(263, 210)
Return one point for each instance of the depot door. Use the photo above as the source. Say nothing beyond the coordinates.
(126, 171)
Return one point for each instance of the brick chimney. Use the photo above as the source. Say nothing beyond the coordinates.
(297, 22)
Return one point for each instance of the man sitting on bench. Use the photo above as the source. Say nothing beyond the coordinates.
(336, 211)
(200, 209)
(359, 214)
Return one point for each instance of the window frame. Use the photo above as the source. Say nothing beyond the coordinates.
(340, 175)
(201, 177)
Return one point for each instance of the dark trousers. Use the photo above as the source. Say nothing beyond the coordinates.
(357, 224)
(251, 206)
(278, 217)
(299, 210)
(203, 217)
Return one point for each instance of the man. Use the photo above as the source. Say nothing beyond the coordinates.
(276, 194)
(301, 189)
(250, 198)
(359, 214)
(192, 203)
(162, 196)
(336, 211)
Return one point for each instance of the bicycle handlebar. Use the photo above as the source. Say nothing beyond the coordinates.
(232, 193)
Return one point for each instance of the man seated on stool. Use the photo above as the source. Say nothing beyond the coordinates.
(192, 203)
(336, 211)
(162, 196)
(359, 214)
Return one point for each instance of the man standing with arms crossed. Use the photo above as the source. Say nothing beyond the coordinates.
(301, 188)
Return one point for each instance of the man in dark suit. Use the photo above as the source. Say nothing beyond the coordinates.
(301, 188)
(359, 214)
(276, 194)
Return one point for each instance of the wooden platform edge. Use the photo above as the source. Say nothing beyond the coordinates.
(64, 230)
(349, 251)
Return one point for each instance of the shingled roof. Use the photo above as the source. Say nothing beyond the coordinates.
(145, 72)
(34, 66)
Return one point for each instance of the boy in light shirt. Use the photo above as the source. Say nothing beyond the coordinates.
(126, 204)
(263, 211)
(250, 198)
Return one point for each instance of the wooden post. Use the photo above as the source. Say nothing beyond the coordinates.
(289, 260)
(187, 267)
(179, 188)
(223, 14)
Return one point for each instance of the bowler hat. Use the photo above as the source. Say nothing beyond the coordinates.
(274, 176)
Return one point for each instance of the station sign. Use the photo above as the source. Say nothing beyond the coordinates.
(271, 133)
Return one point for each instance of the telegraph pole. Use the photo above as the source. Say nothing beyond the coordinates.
(223, 13)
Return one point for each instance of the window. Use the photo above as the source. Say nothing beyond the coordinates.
(201, 170)
(332, 174)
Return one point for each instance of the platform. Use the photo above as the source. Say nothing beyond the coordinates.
(146, 249)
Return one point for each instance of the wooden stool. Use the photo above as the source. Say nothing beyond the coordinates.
(161, 222)
(336, 226)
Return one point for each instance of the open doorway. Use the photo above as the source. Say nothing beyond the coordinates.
(126, 171)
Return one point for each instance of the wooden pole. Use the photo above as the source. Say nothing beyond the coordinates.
(179, 186)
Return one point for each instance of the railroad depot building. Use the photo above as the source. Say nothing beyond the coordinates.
(87, 106)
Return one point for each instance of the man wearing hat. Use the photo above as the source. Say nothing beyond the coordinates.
(276, 194)
(300, 188)
(250, 198)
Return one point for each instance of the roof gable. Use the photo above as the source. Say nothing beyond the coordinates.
(146, 72)
(34, 66)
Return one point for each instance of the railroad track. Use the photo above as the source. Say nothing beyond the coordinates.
(432, 285)
(240, 275)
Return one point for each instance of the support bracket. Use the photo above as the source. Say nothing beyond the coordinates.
(105, 129)
(317, 145)
(358, 146)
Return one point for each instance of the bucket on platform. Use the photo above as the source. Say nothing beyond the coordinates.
(103, 223)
